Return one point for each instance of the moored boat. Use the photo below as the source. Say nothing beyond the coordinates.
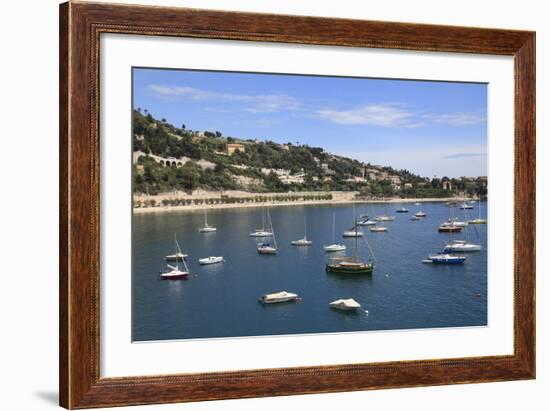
(402, 210)
(449, 228)
(352, 233)
(420, 214)
(352, 264)
(461, 246)
(378, 229)
(334, 247)
(173, 272)
(385, 218)
(261, 232)
(348, 304)
(207, 228)
(279, 297)
(444, 258)
(211, 260)
(302, 241)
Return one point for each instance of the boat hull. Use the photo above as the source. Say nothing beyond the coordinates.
(368, 269)
(450, 229)
(182, 276)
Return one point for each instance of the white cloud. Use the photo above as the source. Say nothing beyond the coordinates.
(456, 119)
(374, 114)
(261, 103)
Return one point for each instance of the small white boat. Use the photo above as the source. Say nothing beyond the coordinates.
(176, 257)
(420, 214)
(461, 246)
(478, 221)
(465, 206)
(366, 222)
(280, 297)
(415, 218)
(402, 210)
(352, 233)
(207, 228)
(385, 218)
(261, 233)
(334, 247)
(378, 229)
(211, 260)
(174, 274)
(302, 241)
(345, 304)
(457, 223)
(266, 248)
(416, 204)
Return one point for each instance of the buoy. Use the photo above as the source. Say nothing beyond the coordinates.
(367, 312)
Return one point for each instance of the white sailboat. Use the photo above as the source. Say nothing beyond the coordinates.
(478, 220)
(463, 246)
(173, 272)
(177, 256)
(207, 228)
(334, 246)
(261, 232)
(302, 241)
(267, 248)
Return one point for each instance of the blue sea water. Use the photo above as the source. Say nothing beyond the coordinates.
(221, 300)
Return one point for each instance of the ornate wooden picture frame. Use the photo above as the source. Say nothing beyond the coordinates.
(81, 25)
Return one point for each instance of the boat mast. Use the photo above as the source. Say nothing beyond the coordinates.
(205, 217)
(333, 226)
(177, 250)
(271, 227)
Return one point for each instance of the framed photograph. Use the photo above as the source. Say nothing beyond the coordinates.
(259, 205)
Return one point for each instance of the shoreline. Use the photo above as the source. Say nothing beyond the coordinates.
(199, 207)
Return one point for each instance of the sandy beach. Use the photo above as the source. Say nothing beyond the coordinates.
(162, 209)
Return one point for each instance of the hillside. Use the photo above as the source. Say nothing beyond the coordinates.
(168, 158)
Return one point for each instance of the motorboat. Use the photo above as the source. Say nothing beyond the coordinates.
(444, 258)
(461, 246)
(466, 206)
(366, 222)
(420, 214)
(334, 247)
(402, 210)
(415, 218)
(378, 229)
(348, 304)
(176, 257)
(385, 218)
(352, 233)
(280, 297)
(211, 260)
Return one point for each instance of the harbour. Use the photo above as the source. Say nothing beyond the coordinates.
(220, 300)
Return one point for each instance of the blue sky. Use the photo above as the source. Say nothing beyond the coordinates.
(430, 128)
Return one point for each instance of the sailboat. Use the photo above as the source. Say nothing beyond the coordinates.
(353, 232)
(462, 246)
(302, 241)
(478, 220)
(350, 265)
(267, 248)
(452, 225)
(334, 247)
(207, 228)
(178, 256)
(261, 232)
(385, 216)
(173, 272)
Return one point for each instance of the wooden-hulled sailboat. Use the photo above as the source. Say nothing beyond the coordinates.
(351, 264)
